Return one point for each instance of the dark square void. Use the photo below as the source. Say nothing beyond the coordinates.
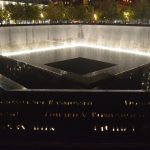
(80, 65)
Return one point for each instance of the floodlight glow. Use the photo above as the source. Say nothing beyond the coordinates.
(95, 17)
(126, 15)
(128, 51)
(24, 52)
(41, 15)
(73, 45)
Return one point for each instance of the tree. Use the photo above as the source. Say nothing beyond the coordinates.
(69, 13)
(16, 11)
(142, 10)
(31, 12)
(61, 12)
(20, 12)
(89, 14)
(110, 10)
(4, 15)
(107, 9)
(79, 13)
(1, 16)
(97, 4)
(84, 13)
(51, 12)
(127, 14)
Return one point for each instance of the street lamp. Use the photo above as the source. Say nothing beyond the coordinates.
(41, 15)
(126, 15)
(95, 17)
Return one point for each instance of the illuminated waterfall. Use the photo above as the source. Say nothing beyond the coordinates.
(29, 39)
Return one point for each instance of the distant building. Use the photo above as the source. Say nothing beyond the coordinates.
(64, 2)
(72, 2)
(126, 2)
(14, 2)
(3, 3)
(86, 2)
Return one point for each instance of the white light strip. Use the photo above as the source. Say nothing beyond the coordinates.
(136, 52)
(24, 52)
(66, 45)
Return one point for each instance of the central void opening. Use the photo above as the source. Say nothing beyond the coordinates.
(80, 65)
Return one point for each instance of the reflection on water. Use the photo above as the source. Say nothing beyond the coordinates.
(123, 61)
(31, 77)
(130, 71)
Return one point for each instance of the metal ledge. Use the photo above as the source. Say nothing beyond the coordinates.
(8, 84)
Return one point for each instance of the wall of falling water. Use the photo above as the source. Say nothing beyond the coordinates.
(135, 38)
(28, 38)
